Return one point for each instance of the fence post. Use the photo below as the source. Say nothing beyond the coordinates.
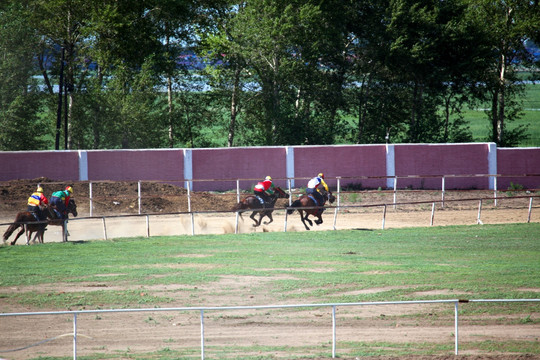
(90, 196)
(432, 213)
(478, 221)
(202, 334)
(443, 185)
(333, 331)
(384, 216)
(395, 191)
(139, 195)
(456, 340)
(75, 336)
(147, 226)
(530, 209)
(495, 190)
(104, 228)
(337, 207)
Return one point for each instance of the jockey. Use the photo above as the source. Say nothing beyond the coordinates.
(36, 201)
(312, 188)
(60, 199)
(264, 189)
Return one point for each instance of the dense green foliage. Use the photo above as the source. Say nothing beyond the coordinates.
(274, 72)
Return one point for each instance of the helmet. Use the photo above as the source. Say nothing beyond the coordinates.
(69, 189)
(39, 189)
(321, 175)
(268, 178)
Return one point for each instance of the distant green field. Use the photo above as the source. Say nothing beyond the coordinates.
(480, 126)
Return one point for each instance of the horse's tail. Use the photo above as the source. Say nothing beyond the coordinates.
(10, 230)
(239, 206)
(296, 203)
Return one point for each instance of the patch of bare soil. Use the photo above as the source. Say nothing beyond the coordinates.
(307, 329)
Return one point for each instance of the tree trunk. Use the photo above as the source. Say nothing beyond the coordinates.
(234, 107)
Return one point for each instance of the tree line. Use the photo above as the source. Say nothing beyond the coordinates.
(112, 74)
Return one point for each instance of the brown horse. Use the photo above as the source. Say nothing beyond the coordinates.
(33, 226)
(252, 202)
(55, 218)
(29, 224)
(306, 201)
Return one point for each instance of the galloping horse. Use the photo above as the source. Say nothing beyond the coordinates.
(55, 218)
(307, 201)
(29, 223)
(33, 226)
(252, 202)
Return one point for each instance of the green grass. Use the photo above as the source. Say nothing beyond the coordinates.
(475, 262)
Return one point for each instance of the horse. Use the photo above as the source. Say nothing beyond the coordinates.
(29, 224)
(307, 201)
(32, 224)
(252, 202)
(56, 219)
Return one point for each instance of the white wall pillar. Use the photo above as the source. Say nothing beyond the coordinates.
(83, 165)
(290, 164)
(188, 168)
(390, 166)
(492, 164)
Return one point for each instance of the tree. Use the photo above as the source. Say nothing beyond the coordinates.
(509, 24)
(20, 125)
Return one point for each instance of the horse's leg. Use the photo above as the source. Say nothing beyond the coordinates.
(319, 220)
(269, 214)
(18, 235)
(304, 219)
(252, 216)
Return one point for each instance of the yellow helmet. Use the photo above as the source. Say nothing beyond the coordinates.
(39, 189)
(321, 175)
(69, 189)
(268, 178)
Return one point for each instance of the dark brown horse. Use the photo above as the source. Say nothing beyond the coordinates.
(55, 218)
(306, 201)
(28, 222)
(252, 202)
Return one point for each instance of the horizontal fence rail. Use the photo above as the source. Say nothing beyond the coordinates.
(202, 310)
(336, 208)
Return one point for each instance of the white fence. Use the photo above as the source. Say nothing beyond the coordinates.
(202, 311)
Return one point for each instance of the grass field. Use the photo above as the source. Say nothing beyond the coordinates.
(474, 262)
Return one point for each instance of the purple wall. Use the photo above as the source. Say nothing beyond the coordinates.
(442, 159)
(516, 161)
(135, 165)
(55, 165)
(238, 163)
(219, 168)
(345, 161)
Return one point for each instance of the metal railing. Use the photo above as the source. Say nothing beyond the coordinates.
(202, 310)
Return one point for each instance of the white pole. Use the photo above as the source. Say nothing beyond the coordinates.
(75, 336)
(147, 226)
(337, 207)
(495, 190)
(395, 191)
(104, 228)
(237, 190)
(384, 216)
(443, 189)
(90, 195)
(530, 209)
(478, 221)
(139, 195)
(334, 332)
(202, 334)
(456, 326)
(432, 213)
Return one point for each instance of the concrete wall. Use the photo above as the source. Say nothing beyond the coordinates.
(371, 166)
